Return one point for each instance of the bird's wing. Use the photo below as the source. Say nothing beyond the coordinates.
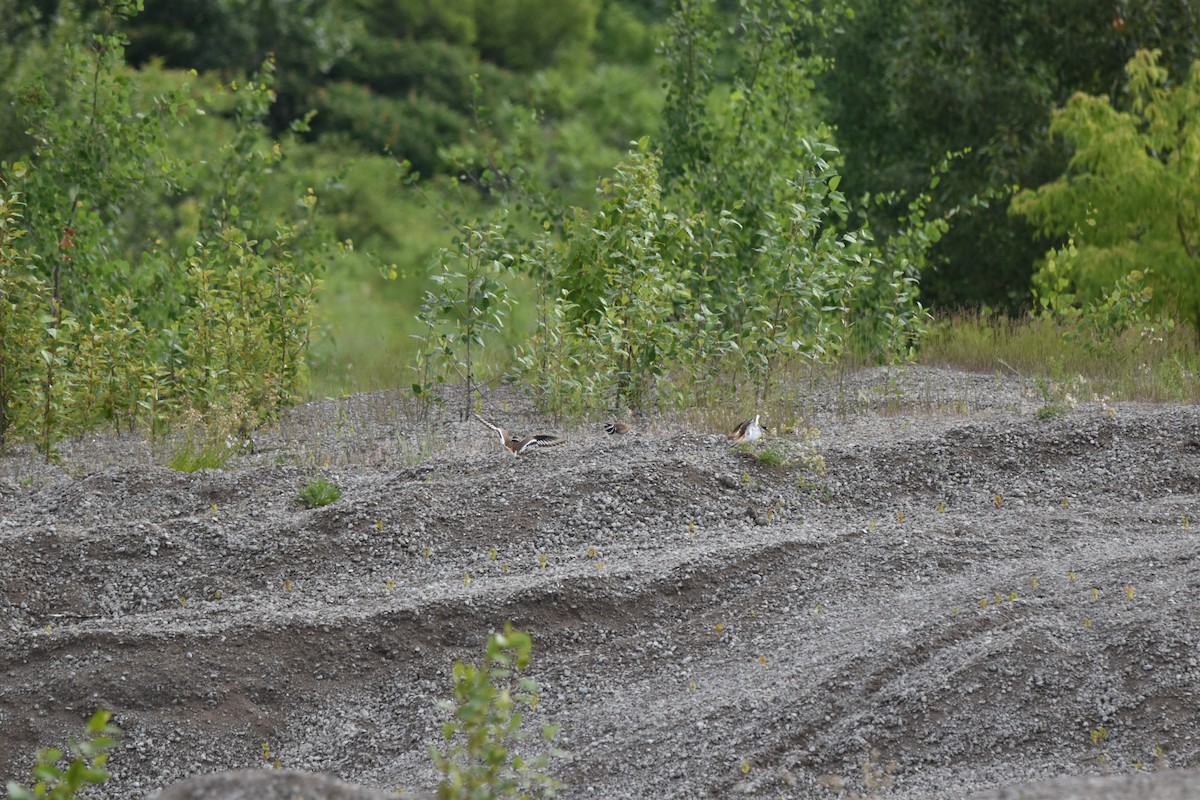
(503, 434)
(536, 440)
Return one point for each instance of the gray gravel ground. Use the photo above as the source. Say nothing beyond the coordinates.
(964, 596)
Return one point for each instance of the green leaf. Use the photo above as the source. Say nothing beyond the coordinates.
(47, 773)
(49, 755)
(18, 792)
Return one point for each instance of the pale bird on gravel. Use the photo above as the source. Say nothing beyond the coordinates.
(516, 445)
(618, 428)
(748, 431)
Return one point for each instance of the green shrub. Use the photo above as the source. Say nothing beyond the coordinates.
(441, 72)
(486, 726)
(421, 20)
(412, 127)
(1051, 412)
(731, 243)
(1127, 203)
(50, 780)
(470, 299)
(772, 456)
(519, 34)
(137, 283)
(193, 455)
(319, 492)
(23, 299)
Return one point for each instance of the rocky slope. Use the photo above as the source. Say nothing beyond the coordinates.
(940, 594)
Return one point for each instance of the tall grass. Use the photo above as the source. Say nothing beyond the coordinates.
(364, 329)
(1159, 367)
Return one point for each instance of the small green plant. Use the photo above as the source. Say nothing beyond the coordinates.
(195, 455)
(319, 492)
(1051, 411)
(50, 780)
(772, 456)
(480, 763)
(817, 489)
(210, 440)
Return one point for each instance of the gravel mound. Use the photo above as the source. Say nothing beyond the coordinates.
(940, 592)
(275, 784)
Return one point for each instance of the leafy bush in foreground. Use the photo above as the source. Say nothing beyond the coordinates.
(480, 763)
(57, 782)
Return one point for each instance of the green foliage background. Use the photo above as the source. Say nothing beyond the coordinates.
(207, 205)
(139, 278)
(915, 80)
(1130, 202)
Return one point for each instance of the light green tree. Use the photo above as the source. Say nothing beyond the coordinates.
(487, 756)
(1128, 206)
(470, 300)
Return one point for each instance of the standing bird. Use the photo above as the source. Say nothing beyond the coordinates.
(618, 428)
(517, 446)
(748, 431)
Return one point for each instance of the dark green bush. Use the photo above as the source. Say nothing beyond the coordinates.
(412, 128)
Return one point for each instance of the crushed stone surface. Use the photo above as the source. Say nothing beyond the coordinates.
(939, 593)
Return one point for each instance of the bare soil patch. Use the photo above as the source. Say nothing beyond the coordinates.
(966, 596)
